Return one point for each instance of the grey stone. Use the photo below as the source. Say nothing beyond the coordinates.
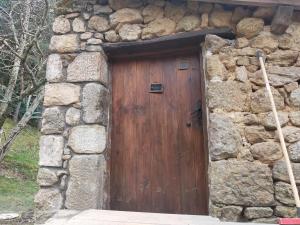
(87, 180)
(53, 121)
(61, 25)
(268, 120)
(215, 43)
(152, 12)
(283, 57)
(111, 36)
(174, 12)
(88, 67)
(94, 41)
(256, 134)
(102, 9)
(51, 150)
(215, 69)
(295, 97)
(98, 23)
(61, 94)
(188, 23)
(73, 116)
(224, 137)
(241, 74)
(88, 139)
(47, 177)
(99, 36)
(54, 71)
(290, 134)
(251, 119)
(86, 35)
(231, 213)
(294, 152)
(291, 87)
(241, 183)
(67, 43)
(265, 41)
(282, 75)
(249, 27)
(78, 25)
(47, 202)
(126, 16)
(117, 4)
(270, 220)
(266, 152)
(228, 96)
(295, 118)
(280, 171)
(285, 211)
(284, 193)
(260, 101)
(258, 212)
(130, 32)
(159, 27)
(95, 103)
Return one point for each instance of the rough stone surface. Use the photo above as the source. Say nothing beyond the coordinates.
(86, 35)
(295, 118)
(265, 13)
(88, 139)
(283, 57)
(280, 171)
(265, 41)
(95, 103)
(231, 213)
(188, 23)
(249, 27)
(61, 25)
(53, 121)
(291, 87)
(295, 97)
(61, 94)
(78, 25)
(241, 183)
(47, 202)
(215, 69)
(174, 12)
(239, 13)
(94, 41)
(86, 184)
(285, 211)
(158, 28)
(54, 68)
(260, 100)
(102, 9)
(282, 75)
(258, 212)
(117, 4)
(268, 120)
(284, 193)
(130, 32)
(126, 15)
(73, 116)
(64, 43)
(111, 36)
(215, 43)
(98, 23)
(266, 152)
(152, 12)
(256, 134)
(241, 42)
(269, 220)
(228, 96)
(88, 67)
(51, 150)
(290, 134)
(47, 177)
(224, 138)
(220, 18)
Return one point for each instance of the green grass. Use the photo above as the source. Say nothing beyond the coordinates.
(18, 184)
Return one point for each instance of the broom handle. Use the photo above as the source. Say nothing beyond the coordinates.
(281, 138)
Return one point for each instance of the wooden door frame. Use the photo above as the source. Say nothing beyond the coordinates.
(179, 43)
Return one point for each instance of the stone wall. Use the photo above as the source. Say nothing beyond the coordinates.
(247, 176)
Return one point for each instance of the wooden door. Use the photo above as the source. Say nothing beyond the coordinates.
(157, 152)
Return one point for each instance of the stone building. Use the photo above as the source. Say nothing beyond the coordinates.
(160, 105)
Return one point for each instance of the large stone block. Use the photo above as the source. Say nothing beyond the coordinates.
(126, 16)
(130, 32)
(284, 193)
(152, 12)
(241, 183)
(98, 23)
(61, 94)
(256, 134)
(88, 139)
(249, 27)
(188, 23)
(294, 152)
(266, 152)
(258, 212)
(53, 121)
(51, 150)
(268, 120)
(224, 137)
(64, 43)
(229, 96)
(215, 43)
(90, 66)
(280, 171)
(47, 177)
(159, 27)
(54, 71)
(285, 211)
(220, 18)
(47, 202)
(73, 116)
(87, 180)
(290, 134)
(260, 101)
(265, 41)
(295, 118)
(95, 103)
(61, 25)
(283, 57)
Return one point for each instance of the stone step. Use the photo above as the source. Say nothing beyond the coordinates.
(107, 217)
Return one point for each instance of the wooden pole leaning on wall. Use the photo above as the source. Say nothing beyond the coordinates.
(259, 55)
